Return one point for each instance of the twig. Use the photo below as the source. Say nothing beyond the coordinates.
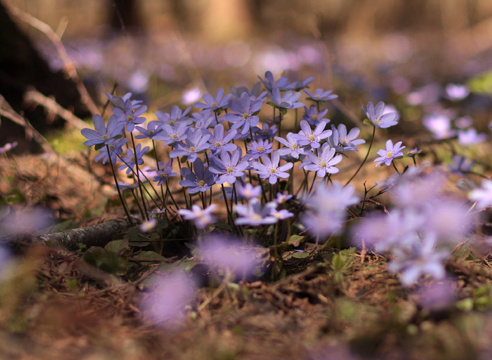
(68, 66)
(32, 95)
(7, 111)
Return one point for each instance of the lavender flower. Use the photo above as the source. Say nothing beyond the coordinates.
(378, 117)
(148, 225)
(307, 136)
(439, 125)
(165, 172)
(199, 181)
(25, 221)
(220, 142)
(323, 163)
(255, 93)
(176, 116)
(259, 148)
(153, 129)
(248, 191)
(253, 214)
(320, 95)
(287, 100)
(168, 297)
(270, 168)
(269, 82)
(229, 255)
(216, 104)
(313, 117)
(456, 92)
(301, 84)
(327, 208)
(194, 143)
(171, 134)
(470, 137)
(421, 259)
(201, 217)
(8, 146)
(266, 132)
(115, 149)
(102, 134)
(131, 159)
(391, 152)
(229, 167)
(291, 148)
(437, 295)
(244, 113)
(349, 142)
(129, 114)
(482, 195)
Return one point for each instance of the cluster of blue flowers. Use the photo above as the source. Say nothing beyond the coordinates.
(226, 150)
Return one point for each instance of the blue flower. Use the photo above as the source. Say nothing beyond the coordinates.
(131, 159)
(172, 134)
(292, 146)
(269, 83)
(378, 117)
(200, 217)
(254, 214)
(288, 100)
(128, 112)
(266, 132)
(391, 152)
(258, 148)
(102, 134)
(270, 169)
(153, 129)
(320, 95)
(243, 113)
(219, 103)
(194, 143)
(307, 136)
(255, 93)
(313, 117)
(220, 142)
(229, 167)
(347, 142)
(115, 148)
(199, 181)
(165, 172)
(248, 191)
(323, 163)
(301, 84)
(177, 115)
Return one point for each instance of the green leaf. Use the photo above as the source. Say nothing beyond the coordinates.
(300, 255)
(296, 240)
(148, 256)
(16, 197)
(107, 261)
(117, 246)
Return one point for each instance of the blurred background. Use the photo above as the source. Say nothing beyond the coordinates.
(172, 51)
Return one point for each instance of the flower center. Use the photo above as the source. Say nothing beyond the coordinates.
(314, 117)
(294, 146)
(323, 164)
(217, 144)
(260, 149)
(129, 118)
(389, 154)
(272, 171)
(214, 104)
(175, 136)
(201, 182)
(192, 149)
(245, 115)
(229, 169)
(311, 138)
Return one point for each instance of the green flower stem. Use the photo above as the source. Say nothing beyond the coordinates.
(393, 163)
(367, 155)
(123, 203)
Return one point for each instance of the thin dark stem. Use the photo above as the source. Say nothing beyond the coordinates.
(123, 203)
(367, 155)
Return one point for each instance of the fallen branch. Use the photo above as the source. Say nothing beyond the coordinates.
(92, 235)
(34, 96)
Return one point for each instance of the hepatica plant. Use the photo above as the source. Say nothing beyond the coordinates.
(234, 167)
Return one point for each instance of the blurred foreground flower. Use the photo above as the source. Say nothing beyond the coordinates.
(437, 295)
(229, 255)
(166, 302)
(26, 221)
